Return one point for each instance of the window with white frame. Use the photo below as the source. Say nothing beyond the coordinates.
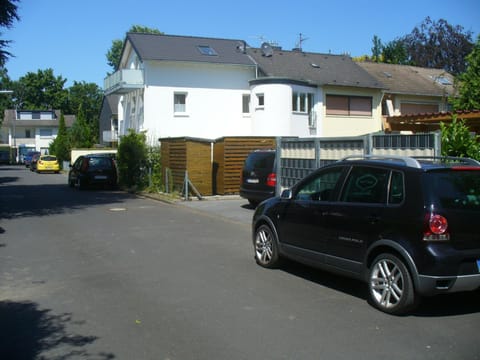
(246, 103)
(302, 102)
(180, 102)
(260, 101)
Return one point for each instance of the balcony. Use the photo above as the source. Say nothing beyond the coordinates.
(110, 136)
(123, 81)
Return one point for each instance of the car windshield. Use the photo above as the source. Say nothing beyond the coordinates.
(458, 189)
(48, 158)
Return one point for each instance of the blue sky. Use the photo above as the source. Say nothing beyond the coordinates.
(72, 37)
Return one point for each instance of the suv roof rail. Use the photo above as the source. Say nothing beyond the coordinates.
(414, 161)
(450, 159)
(408, 161)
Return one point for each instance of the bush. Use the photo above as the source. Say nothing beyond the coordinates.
(457, 140)
(132, 160)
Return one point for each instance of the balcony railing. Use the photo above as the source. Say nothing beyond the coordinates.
(110, 136)
(123, 81)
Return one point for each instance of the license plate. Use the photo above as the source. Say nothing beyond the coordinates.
(478, 265)
(100, 177)
(252, 181)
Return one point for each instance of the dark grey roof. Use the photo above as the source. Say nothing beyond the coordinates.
(185, 48)
(411, 80)
(314, 68)
(9, 117)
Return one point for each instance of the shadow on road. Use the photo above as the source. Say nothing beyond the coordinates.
(41, 200)
(27, 332)
(435, 306)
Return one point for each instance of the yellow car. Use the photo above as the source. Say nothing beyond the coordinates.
(48, 163)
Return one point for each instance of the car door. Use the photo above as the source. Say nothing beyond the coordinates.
(304, 223)
(357, 218)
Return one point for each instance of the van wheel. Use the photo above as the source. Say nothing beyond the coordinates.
(266, 247)
(390, 285)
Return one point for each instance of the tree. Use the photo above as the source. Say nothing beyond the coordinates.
(458, 141)
(376, 49)
(60, 145)
(8, 14)
(115, 52)
(468, 83)
(132, 159)
(43, 90)
(395, 52)
(80, 134)
(437, 44)
(87, 97)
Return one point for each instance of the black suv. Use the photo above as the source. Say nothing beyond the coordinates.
(93, 170)
(406, 226)
(259, 179)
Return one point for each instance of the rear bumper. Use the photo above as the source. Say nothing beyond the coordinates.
(256, 195)
(432, 285)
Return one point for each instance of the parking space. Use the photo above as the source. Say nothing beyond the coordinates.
(230, 207)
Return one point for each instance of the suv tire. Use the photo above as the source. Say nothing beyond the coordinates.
(266, 247)
(390, 285)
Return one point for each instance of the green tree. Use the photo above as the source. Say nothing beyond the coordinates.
(8, 14)
(80, 134)
(115, 52)
(88, 97)
(457, 140)
(43, 91)
(394, 52)
(60, 146)
(377, 49)
(468, 83)
(132, 160)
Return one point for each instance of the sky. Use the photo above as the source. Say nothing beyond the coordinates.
(72, 37)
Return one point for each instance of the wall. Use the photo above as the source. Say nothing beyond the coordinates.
(213, 105)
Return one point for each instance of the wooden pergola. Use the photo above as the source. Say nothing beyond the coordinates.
(429, 122)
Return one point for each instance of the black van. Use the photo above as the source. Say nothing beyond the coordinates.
(259, 177)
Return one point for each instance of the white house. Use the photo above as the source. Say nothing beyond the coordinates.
(31, 130)
(181, 86)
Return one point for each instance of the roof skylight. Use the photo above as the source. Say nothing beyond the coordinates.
(207, 50)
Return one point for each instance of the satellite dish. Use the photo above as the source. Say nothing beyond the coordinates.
(267, 49)
(241, 47)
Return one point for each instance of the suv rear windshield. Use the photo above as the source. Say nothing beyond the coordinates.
(457, 189)
(260, 160)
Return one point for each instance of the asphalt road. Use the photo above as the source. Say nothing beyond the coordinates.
(109, 275)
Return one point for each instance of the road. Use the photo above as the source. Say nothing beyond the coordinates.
(109, 275)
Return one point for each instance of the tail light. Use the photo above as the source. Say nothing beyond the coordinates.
(436, 228)
(272, 179)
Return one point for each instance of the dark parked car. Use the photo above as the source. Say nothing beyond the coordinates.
(406, 226)
(259, 179)
(33, 162)
(93, 170)
(28, 157)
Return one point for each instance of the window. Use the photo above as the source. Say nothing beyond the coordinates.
(207, 50)
(246, 103)
(396, 193)
(180, 102)
(349, 105)
(302, 102)
(28, 133)
(261, 100)
(45, 133)
(366, 185)
(321, 187)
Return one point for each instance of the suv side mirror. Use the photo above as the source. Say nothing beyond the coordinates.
(286, 194)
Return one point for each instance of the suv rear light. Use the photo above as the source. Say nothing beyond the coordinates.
(272, 179)
(436, 228)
